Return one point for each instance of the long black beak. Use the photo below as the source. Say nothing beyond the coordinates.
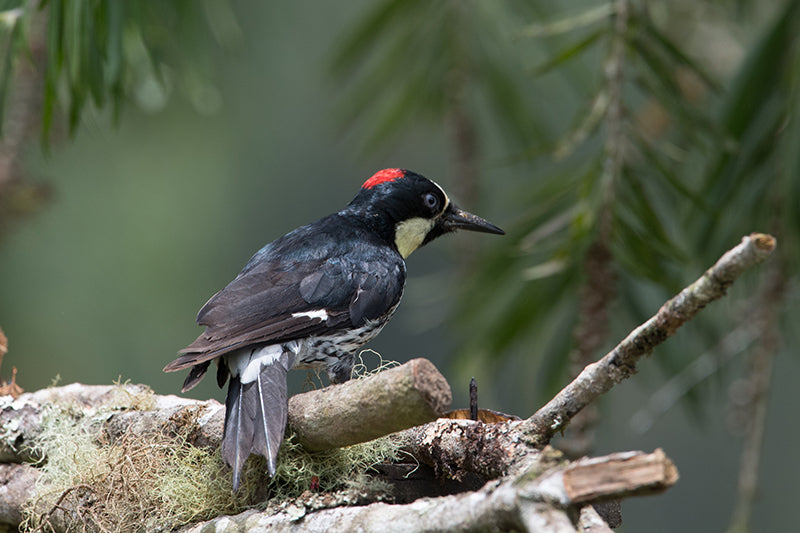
(455, 218)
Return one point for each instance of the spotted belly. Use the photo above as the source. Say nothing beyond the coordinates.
(336, 353)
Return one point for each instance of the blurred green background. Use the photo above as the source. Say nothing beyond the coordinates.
(274, 117)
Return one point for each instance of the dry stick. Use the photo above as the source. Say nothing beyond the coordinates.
(524, 502)
(361, 410)
(619, 364)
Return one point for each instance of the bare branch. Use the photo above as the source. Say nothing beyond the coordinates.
(619, 364)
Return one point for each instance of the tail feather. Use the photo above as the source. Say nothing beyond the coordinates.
(272, 412)
(256, 411)
(195, 375)
(235, 431)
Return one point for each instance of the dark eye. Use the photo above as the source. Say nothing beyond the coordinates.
(431, 201)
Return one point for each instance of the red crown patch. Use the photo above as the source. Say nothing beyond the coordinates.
(382, 176)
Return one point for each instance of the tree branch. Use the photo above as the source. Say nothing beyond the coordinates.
(619, 364)
(362, 410)
(542, 490)
(528, 501)
(457, 447)
(357, 411)
(139, 410)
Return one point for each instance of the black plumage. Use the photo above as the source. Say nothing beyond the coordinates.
(311, 299)
(352, 277)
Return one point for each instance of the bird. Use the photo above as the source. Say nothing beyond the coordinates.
(311, 299)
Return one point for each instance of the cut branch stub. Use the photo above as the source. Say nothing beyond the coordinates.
(619, 475)
(361, 410)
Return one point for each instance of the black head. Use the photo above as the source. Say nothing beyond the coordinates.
(411, 210)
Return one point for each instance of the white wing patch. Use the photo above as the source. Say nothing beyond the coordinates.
(319, 313)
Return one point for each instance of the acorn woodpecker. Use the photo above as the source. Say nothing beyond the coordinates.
(311, 299)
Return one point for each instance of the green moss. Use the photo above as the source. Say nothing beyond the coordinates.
(298, 470)
(159, 481)
(137, 482)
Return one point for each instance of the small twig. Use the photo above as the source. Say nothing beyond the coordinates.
(8, 388)
(3, 345)
(473, 399)
(619, 364)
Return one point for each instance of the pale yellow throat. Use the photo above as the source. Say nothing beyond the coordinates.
(409, 234)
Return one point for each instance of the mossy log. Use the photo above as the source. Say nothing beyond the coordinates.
(341, 415)
(543, 489)
(130, 410)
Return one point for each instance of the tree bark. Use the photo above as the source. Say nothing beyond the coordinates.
(541, 492)
(365, 409)
(16, 486)
(528, 501)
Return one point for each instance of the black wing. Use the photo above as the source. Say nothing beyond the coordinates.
(301, 285)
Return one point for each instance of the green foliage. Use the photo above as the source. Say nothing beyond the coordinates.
(408, 61)
(98, 52)
(757, 185)
(670, 157)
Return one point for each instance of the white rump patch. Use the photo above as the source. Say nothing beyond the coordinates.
(319, 313)
(247, 363)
